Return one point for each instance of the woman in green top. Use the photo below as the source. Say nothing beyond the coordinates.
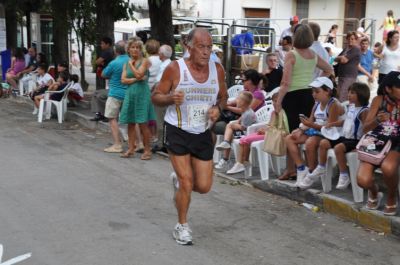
(137, 107)
(295, 95)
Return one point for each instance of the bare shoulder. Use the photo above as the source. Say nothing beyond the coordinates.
(172, 70)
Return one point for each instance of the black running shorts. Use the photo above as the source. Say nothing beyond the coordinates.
(180, 142)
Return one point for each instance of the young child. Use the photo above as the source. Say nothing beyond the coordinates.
(351, 133)
(75, 92)
(327, 109)
(239, 126)
(43, 82)
(245, 142)
(57, 86)
(384, 119)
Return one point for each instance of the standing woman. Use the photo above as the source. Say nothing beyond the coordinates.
(388, 24)
(348, 61)
(295, 95)
(389, 55)
(137, 107)
(331, 37)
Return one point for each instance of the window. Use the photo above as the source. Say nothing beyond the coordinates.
(302, 8)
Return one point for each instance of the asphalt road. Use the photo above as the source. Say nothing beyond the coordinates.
(68, 203)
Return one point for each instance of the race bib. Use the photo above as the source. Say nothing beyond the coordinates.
(197, 115)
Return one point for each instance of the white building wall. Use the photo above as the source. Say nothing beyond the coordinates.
(327, 13)
(377, 9)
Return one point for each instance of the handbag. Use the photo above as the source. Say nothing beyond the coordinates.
(373, 148)
(274, 139)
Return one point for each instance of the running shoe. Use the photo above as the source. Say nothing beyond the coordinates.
(35, 111)
(237, 168)
(221, 164)
(344, 181)
(222, 146)
(182, 234)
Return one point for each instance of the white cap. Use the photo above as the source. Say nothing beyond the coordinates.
(360, 29)
(331, 133)
(322, 81)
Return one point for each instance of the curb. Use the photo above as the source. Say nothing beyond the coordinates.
(344, 209)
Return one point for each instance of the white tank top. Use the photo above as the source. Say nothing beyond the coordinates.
(191, 116)
(321, 116)
(353, 127)
(390, 61)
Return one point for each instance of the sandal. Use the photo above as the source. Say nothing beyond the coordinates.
(373, 204)
(127, 154)
(390, 210)
(288, 176)
(146, 156)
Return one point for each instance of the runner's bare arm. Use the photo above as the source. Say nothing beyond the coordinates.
(162, 95)
(215, 111)
(222, 94)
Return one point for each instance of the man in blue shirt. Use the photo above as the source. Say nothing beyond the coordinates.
(365, 66)
(116, 94)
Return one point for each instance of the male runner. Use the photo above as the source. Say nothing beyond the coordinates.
(194, 90)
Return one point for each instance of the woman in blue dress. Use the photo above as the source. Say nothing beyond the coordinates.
(137, 107)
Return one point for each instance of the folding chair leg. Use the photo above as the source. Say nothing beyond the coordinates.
(40, 114)
(326, 179)
(60, 114)
(353, 162)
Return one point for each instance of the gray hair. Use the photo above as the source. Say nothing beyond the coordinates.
(166, 50)
(120, 47)
(193, 32)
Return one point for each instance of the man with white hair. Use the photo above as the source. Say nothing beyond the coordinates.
(193, 90)
(165, 53)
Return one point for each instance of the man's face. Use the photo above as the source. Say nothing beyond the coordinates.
(272, 62)
(364, 45)
(285, 45)
(32, 52)
(201, 48)
(104, 45)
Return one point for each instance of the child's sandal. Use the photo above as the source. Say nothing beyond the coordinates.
(390, 210)
(374, 204)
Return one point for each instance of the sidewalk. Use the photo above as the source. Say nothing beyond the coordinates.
(339, 203)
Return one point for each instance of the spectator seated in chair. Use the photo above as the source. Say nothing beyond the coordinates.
(43, 82)
(75, 92)
(17, 66)
(62, 81)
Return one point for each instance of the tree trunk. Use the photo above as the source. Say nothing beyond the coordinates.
(11, 25)
(60, 31)
(161, 22)
(105, 28)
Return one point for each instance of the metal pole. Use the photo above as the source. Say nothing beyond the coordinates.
(228, 61)
(373, 32)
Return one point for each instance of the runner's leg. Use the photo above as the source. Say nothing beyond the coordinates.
(202, 175)
(183, 168)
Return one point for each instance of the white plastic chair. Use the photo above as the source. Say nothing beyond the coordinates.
(46, 103)
(31, 79)
(263, 116)
(353, 163)
(234, 91)
(268, 96)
